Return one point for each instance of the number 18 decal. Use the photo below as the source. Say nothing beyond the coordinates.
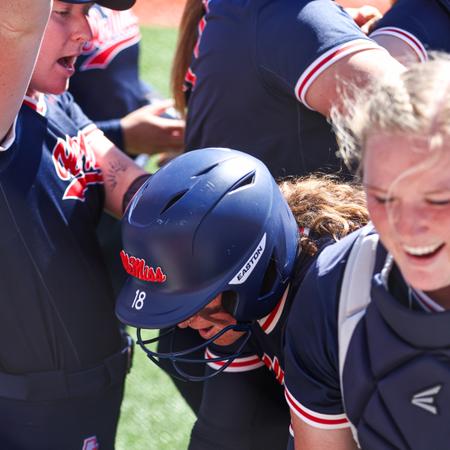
(138, 302)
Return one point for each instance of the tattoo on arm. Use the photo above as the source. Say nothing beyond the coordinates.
(114, 170)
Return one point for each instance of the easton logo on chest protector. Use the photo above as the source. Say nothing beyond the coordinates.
(112, 33)
(426, 399)
(74, 161)
(251, 263)
(137, 268)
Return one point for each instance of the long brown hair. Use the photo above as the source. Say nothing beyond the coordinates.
(326, 206)
(187, 38)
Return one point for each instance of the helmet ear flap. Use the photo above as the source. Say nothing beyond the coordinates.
(229, 302)
(271, 277)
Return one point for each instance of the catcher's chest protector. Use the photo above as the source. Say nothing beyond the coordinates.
(395, 363)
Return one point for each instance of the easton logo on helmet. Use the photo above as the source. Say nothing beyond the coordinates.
(137, 268)
(248, 267)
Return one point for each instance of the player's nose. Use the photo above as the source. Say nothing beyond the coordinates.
(191, 322)
(83, 30)
(186, 323)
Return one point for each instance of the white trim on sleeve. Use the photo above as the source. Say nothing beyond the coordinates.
(315, 419)
(326, 60)
(407, 37)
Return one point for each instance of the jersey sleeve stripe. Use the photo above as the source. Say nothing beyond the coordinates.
(244, 364)
(326, 60)
(317, 420)
(406, 37)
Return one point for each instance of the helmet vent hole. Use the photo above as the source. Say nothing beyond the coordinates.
(270, 278)
(205, 171)
(173, 200)
(248, 180)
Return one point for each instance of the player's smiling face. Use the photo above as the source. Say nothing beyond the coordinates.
(211, 320)
(66, 32)
(408, 194)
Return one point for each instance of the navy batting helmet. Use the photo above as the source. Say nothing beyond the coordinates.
(211, 221)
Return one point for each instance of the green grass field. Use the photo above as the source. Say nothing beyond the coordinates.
(154, 416)
(158, 46)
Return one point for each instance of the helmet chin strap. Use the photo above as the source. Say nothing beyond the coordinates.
(176, 357)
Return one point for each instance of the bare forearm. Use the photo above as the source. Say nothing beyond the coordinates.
(24, 17)
(310, 438)
(119, 172)
(357, 70)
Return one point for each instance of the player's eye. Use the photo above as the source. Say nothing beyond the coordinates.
(86, 9)
(383, 200)
(438, 202)
(62, 12)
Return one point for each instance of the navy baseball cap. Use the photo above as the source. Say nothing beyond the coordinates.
(112, 4)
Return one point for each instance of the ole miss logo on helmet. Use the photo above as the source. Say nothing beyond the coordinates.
(138, 268)
(74, 161)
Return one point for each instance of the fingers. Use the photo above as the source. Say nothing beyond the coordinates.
(159, 107)
(145, 131)
(365, 16)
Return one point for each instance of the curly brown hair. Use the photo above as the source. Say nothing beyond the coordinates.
(325, 205)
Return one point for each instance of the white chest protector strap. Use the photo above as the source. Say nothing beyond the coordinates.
(355, 295)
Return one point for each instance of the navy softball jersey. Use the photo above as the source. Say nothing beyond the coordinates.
(243, 407)
(387, 375)
(424, 25)
(251, 69)
(63, 360)
(106, 83)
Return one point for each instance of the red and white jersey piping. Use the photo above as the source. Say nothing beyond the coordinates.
(315, 419)
(37, 103)
(408, 38)
(269, 322)
(244, 364)
(326, 60)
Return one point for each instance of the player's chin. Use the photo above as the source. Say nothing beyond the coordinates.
(63, 87)
(57, 86)
(229, 338)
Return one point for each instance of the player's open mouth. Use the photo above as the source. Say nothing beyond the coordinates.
(424, 251)
(205, 332)
(68, 62)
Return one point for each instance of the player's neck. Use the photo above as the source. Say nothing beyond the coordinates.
(32, 93)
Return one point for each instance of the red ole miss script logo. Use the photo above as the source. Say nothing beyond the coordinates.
(112, 32)
(139, 269)
(74, 161)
